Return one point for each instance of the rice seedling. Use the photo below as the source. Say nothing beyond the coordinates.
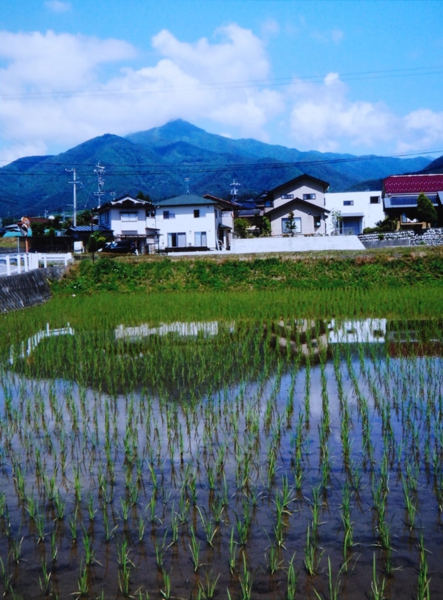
(291, 580)
(225, 431)
(207, 589)
(311, 560)
(333, 586)
(15, 551)
(83, 582)
(423, 592)
(45, 581)
(246, 581)
(194, 547)
(232, 552)
(209, 527)
(377, 586)
(273, 559)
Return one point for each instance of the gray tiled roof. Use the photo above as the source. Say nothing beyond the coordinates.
(185, 200)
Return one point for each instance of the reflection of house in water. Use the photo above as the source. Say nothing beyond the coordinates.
(352, 331)
(26, 348)
(309, 337)
(178, 328)
(303, 336)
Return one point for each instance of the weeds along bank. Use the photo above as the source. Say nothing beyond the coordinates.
(166, 275)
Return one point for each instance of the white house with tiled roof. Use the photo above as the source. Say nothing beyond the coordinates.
(131, 219)
(190, 222)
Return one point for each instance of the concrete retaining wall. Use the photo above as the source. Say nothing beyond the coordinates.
(427, 237)
(296, 244)
(27, 289)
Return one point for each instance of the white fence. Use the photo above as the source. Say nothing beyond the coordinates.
(12, 264)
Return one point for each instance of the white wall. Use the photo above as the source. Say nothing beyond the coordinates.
(185, 222)
(296, 244)
(119, 227)
(361, 204)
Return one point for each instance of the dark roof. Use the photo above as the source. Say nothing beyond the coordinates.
(297, 201)
(125, 202)
(85, 229)
(297, 180)
(185, 200)
(229, 204)
(413, 184)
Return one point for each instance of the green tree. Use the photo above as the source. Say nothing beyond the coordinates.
(142, 196)
(425, 210)
(266, 227)
(92, 246)
(291, 225)
(240, 227)
(84, 217)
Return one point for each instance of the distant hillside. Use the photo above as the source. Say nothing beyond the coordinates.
(159, 160)
(436, 166)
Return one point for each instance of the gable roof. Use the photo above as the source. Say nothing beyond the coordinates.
(185, 200)
(227, 204)
(413, 184)
(125, 202)
(284, 207)
(296, 181)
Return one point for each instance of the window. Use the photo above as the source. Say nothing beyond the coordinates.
(374, 200)
(196, 213)
(348, 202)
(129, 216)
(291, 225)
(176, 240)
(200, 238)
(287, 196)
(309, 196)
(168, 214)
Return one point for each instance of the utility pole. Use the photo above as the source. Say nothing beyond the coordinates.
(234, 189)
(100, 183)
(74, 183)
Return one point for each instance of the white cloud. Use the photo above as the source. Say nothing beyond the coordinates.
(59, 90)
(324, 118)
(57, 6)
(54, 90)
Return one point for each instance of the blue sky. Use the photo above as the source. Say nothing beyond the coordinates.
(360, 77)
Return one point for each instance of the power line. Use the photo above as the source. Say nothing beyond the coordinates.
(238, 84)
(130, 169)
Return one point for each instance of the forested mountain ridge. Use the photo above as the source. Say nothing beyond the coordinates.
(165, 161)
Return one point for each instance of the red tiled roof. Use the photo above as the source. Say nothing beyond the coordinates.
(413, 184)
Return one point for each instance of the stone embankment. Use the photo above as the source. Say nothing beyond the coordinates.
(427, 237)
(27, 289)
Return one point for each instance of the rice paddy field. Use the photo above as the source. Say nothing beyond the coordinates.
(220, 445)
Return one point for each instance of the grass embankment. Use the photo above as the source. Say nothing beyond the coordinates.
(419, 267)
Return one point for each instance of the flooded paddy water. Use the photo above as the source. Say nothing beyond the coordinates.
(236, 459)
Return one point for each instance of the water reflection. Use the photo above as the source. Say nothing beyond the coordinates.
(26, 348)
(191, 329)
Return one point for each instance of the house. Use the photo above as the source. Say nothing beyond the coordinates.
(130, 219)
(296, 207)
(352, 212)
(400, 195)
(190, 222)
